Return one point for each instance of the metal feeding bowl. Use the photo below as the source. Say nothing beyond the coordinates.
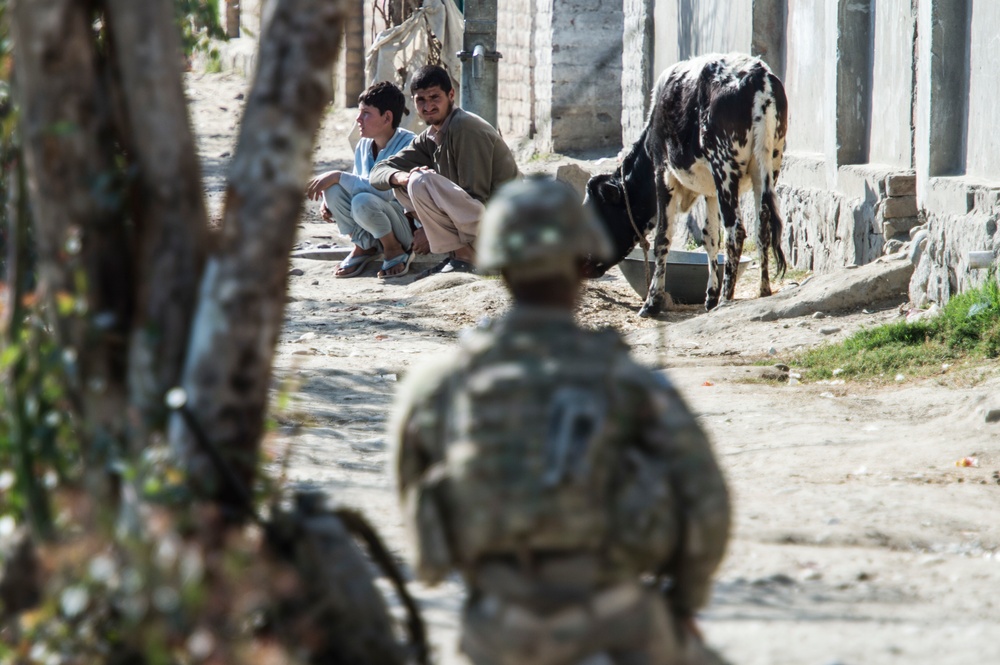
(687, 273)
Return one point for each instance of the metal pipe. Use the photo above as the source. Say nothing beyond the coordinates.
(479, 60)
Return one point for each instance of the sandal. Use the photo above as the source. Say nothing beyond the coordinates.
(357, 262)
(403, 259)
(433, 270)
(455, 265)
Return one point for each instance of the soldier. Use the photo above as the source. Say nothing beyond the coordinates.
(553, 472)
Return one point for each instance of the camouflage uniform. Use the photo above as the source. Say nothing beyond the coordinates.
(553, 472)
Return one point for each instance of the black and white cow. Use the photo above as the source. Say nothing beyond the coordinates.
(716, 127)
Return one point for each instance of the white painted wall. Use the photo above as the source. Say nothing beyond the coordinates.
(805, 75)
(983, 140)
(892, 94)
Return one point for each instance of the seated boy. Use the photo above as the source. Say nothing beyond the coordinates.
(372, 219)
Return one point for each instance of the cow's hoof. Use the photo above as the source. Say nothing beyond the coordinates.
(711, 303)
(649, 311)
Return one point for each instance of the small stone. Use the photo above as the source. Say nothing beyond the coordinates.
(838, 371)
(772, 351)
(993, 416)
(891, 247)
(900, 377)
(315, 282)
(306, 337)
(296, 272)
(829, 330)
(819, 315)
(781, 367)
(238, 96)
(224, 155)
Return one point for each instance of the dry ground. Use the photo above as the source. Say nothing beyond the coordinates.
(856, 538)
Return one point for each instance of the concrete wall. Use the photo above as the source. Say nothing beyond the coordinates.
(686, 28)
(983, 148)
(806, 74)
(892, 122)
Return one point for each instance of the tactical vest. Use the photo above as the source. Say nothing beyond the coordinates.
(542, 453)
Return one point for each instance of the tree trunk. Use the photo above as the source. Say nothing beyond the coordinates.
(168, 208)
(82, 243)
(242, 295)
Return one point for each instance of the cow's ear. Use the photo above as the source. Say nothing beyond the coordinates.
(609, 192)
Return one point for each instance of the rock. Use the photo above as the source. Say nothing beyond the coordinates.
(915, 315)
(781, 367)
(819, 315)
(899, 206)
(844, 289)
(765, 373)
(574, 175)
(296, 272)
(993, 416)
(892, 246)
(829, 330)
(918, 243)
(901, 185)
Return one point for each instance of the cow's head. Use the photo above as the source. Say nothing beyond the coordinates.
(606, 197)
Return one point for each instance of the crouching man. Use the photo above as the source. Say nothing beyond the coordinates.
(446, 175)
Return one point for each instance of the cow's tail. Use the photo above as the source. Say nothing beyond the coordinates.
(769, 202)
(768, 148)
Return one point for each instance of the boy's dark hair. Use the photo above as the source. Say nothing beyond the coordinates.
(386, 97)
(429, 76)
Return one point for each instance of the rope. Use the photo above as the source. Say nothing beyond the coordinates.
(643, 240)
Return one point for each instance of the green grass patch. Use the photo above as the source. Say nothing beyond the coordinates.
(213, 62)
(968, 328)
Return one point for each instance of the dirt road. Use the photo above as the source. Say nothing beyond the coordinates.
(857, 539)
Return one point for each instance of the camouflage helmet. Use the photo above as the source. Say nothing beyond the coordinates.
(538, 226)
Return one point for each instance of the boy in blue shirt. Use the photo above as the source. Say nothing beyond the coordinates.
(372, 218)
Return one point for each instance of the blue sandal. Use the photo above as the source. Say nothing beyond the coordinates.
(403, 259)
(356, 264)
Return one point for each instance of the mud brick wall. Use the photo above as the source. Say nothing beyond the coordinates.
(515, 34)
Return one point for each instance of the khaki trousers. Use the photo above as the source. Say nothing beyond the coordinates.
(450, 217)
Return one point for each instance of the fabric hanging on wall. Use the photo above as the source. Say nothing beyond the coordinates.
(397, 53)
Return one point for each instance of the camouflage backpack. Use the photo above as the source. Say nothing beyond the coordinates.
(541, 454)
